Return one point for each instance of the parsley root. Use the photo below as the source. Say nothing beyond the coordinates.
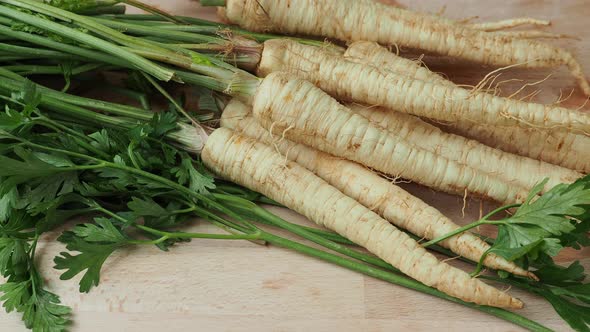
(298, 110)
(376, 193)
(354, 20)
(259, 167)
(556, 147)
(375, 54)
(522, 171)
(552, 146)
(370, 85)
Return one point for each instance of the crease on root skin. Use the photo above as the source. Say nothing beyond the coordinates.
(374, 207)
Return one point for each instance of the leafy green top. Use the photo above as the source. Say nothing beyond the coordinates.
(51, 171)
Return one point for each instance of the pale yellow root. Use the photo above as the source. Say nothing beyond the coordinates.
(507, 24)
(259, 167)
(376, 193)
(559, 148)
(514, 169)
(383, 58)
(348, 80)
(567, 150)
(315, 119)
(354, 20)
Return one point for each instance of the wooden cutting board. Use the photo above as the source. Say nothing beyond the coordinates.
(238, 286)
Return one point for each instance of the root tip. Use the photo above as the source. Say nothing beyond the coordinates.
(516, 303)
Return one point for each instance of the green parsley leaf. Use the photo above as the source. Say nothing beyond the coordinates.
(41, 309)
(13, 256)
(10, 120)
(162, 123)
(44, 312)
(8, 201)
(16, 295)
(558, 275)
(580, 292)
(49, 188)
(95, 244)
(186, 173)
(144, 207)
(576, 315)
(539, 225)
(102, 231)
(29, 168)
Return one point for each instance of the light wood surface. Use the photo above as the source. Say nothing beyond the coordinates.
(238, 286)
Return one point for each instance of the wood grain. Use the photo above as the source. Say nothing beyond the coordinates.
(238, 286)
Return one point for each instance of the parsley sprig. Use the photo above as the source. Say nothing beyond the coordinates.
(538, 230)
(541, 226)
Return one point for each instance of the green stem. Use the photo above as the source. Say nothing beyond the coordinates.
(480, 264)
(26, 70)
(179, 235)
(325, 234)
(83, 22)
(399, 280)
(183, 211)
(166, 95)
(148, 18)
(168, 34)
(131, 154)
(79, 36)
(80, 139)
(215, 28)
(500, 209)
(58, 102)
(30, 51)
(103, 10)
(275, 220)
(268, 201)
(463, 229)
(185, 76)
(225, 224)
(185, 62)
(34, 276)
(154, 10)
(455, 232)
(60, 107)
(142, 98)
(83, 53)
(211, 3)
(482, 221)
(99, 208)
